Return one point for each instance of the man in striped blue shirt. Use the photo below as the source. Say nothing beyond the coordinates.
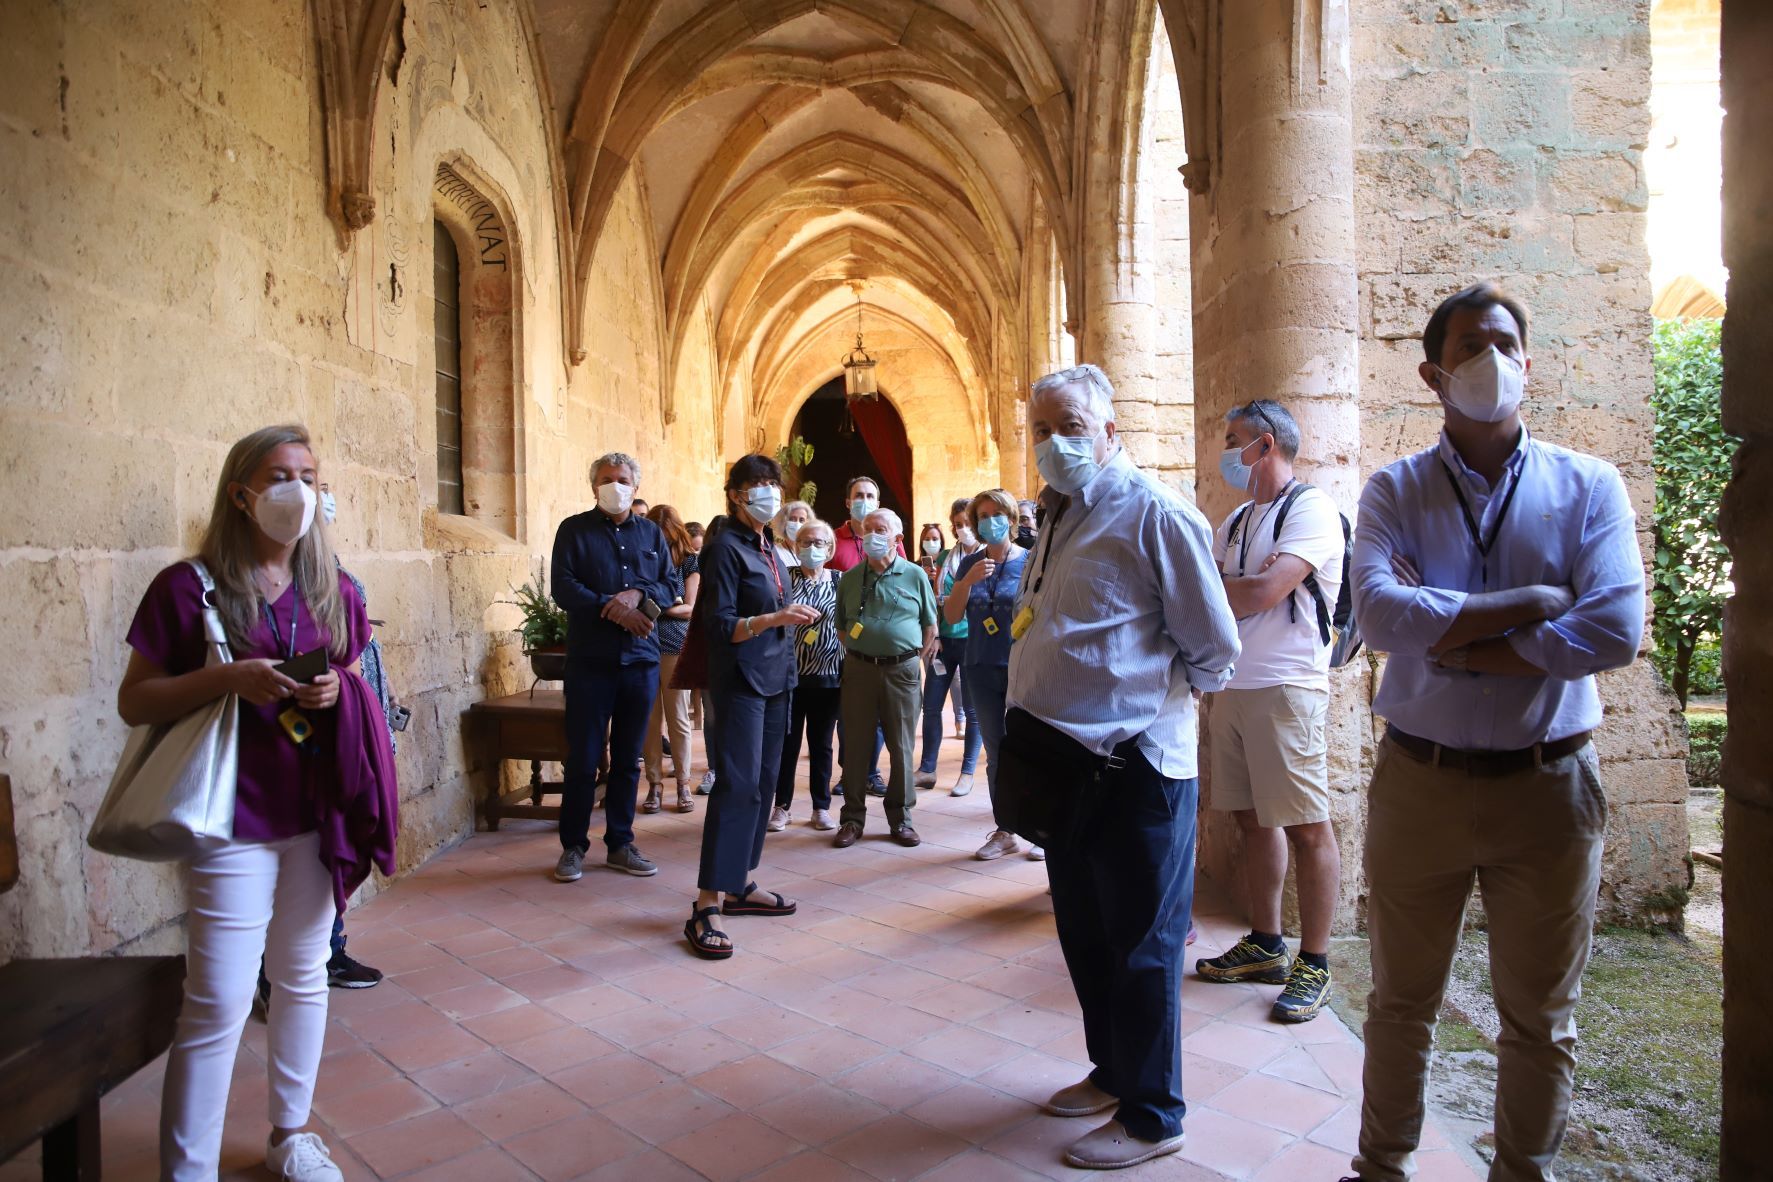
(1501, 573)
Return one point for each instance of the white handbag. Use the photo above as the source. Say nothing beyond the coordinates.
(172, 796)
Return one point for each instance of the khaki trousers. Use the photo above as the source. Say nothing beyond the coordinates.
(1532, 842)
(671, 711)
(891, 697)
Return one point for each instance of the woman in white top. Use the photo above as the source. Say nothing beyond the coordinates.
(787, 527)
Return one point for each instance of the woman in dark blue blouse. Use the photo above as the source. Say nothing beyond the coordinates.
(751, 629)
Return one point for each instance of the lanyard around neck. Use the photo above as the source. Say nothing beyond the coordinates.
(1471, 527)
(276, 632)
(1243, 550)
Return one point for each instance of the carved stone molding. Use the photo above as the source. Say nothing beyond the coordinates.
(357, 41)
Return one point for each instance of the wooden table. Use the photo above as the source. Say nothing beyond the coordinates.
(70, 1031)
(529, 725)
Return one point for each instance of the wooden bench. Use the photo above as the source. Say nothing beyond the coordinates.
(70, 1031)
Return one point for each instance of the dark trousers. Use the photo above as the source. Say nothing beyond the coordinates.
(888, 697)
(813, 712)
(1122, 870)
(748, 734)
(602, 701)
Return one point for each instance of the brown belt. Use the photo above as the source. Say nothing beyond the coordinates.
(895, 659)
(1485, 763)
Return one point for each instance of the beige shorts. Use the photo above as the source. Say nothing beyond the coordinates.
(1270, 754)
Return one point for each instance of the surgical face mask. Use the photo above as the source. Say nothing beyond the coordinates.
(877, 546)
(285, 511)
(329, 507)
(965, 537)
(1487, 387)
(763, 503)
(861, 507)
(791, 528)
(932, 547)
(615, 497)
(1237, 473)
(1067, 462)
(814, 556)
(994, 529)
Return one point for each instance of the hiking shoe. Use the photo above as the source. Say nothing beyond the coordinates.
(778, 819)
(1247, 961)
(707, 784)
(302, 1157)
(344, 972)
(1307, 989)
(996, 846)
(571, 866)
(822, 819)
(630, 858)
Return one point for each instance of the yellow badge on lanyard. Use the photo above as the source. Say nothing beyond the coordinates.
(1024, 620)
(810, 638)
(856, 630)
(991, 628)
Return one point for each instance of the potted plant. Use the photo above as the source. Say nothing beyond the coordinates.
(543, 630)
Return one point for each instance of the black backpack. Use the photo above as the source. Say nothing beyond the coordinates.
(1336, 627)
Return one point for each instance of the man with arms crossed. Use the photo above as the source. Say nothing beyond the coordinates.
(1501, 573)
(1267, 727)
(1120, 617)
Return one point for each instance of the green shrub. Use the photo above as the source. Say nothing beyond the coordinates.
(1705, 748)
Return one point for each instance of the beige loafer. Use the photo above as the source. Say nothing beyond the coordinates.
(1111, 1147)
(1082, 1098)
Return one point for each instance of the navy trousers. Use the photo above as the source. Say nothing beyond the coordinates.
(749, 731)
(1123, 887)
(813, 713)
(602, 701)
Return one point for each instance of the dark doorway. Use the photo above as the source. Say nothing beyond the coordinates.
(875, 446)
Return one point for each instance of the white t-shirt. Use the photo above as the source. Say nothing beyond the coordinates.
(1282, 647)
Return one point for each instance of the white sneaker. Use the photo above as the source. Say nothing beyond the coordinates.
(302, 1158)
(778, 819)
(1036, 854)
(822, 819)
(996, 846)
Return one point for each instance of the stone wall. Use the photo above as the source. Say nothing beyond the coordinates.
(176, 283)
(1506, 142)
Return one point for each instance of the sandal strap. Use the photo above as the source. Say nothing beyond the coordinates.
(703, 931)
(752, 889)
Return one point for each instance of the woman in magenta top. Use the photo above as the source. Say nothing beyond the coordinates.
(309, 817)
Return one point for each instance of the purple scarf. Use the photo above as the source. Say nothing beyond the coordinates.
(358, 806)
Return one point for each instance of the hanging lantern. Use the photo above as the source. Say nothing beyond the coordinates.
(858, 366)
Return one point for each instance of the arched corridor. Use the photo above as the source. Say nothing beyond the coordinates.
(665, 223)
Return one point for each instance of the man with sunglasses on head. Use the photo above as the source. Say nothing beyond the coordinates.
(1501, 573)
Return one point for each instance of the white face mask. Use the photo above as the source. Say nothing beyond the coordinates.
(932, 547)
(965, 537)
(1068, 462)
(329, 507)
(764, 503)
(615, 497)
(1486, 388)
(285, 511)
(791, 528)
(861, 507)
(877, 545)
(814, 556)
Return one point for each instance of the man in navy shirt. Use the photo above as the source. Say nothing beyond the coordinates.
(613, 575)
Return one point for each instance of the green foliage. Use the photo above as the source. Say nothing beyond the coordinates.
(794, 457)
(1705, 748)
(544, 621)
(1692, 460)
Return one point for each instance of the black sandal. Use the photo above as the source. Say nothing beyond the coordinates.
(741, 906)
(701, 934)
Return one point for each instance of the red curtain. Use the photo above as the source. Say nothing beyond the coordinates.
(884, 433)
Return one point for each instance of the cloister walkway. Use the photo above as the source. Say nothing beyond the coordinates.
(901, 1026)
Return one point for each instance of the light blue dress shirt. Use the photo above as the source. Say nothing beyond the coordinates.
(1570, 525)
(1129, 615)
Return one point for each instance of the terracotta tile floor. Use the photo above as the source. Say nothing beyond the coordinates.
(901, 1026)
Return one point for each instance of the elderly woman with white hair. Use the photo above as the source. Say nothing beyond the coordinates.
(818, 658)
(787, 527)
(886, 616)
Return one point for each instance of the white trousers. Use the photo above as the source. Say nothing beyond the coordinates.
(247, 900)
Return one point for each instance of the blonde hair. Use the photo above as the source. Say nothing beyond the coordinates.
(816, 525)
(227, 550)
(992, 496)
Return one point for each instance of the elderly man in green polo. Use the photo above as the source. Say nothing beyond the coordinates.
(886, 617)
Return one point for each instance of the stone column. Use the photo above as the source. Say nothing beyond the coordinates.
(1748, 618)
(1275, 316)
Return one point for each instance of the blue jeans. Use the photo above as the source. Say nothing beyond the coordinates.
(599, 701)
(935, 693)
(1122, 869)
(986, 688)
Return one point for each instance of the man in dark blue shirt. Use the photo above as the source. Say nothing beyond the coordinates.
(613, 575)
